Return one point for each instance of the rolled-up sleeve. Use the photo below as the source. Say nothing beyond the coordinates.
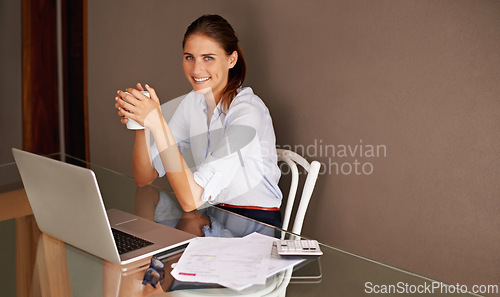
(210, 181)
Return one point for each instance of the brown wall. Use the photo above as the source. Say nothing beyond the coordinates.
(10, 128)
(10, 81)
(419, 78)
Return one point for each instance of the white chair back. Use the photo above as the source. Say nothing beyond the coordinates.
(312, 169)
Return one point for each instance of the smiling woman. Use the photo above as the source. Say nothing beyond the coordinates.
(214, 40)
(226, 127)
(206, 65)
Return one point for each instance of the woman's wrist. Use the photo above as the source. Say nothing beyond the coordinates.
(140, 132)
(158, 127)
(162, 135)
(155, 121)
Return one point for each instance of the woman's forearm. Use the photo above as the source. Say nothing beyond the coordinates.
(181, 178)
(144, 172)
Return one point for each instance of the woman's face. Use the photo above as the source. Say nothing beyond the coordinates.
(206, 64)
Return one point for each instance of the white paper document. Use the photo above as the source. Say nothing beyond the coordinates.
(236, 263)
(231, 262)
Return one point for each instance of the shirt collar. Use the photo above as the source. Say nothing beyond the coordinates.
(201, 100)
(218, 109)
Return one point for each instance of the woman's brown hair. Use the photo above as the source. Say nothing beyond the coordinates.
(217, 28)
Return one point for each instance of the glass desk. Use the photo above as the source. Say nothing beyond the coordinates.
(35, 264)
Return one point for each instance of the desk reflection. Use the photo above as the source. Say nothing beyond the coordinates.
(163, 208)
(61, 269)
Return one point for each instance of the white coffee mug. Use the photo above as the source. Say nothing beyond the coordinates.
(131, 124)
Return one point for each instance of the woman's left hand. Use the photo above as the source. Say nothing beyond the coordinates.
(137, 106)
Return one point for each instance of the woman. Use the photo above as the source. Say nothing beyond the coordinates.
(227, 128)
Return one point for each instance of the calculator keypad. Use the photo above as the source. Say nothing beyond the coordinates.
(298, 248)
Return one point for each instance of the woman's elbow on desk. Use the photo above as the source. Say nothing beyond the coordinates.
(141, 184)
(142, 181)
(188, 206)
(190, 201)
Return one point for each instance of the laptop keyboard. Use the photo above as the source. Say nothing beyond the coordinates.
(127, 243)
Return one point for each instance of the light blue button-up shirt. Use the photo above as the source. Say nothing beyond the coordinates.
(233, 155)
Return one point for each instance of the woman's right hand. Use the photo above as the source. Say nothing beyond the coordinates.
(141, 108)
(123, 118)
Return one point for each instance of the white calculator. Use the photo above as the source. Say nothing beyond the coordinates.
(298, 248)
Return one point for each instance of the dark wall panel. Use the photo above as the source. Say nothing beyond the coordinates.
(39, 83)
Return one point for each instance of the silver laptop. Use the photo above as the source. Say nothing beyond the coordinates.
(67, 205)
